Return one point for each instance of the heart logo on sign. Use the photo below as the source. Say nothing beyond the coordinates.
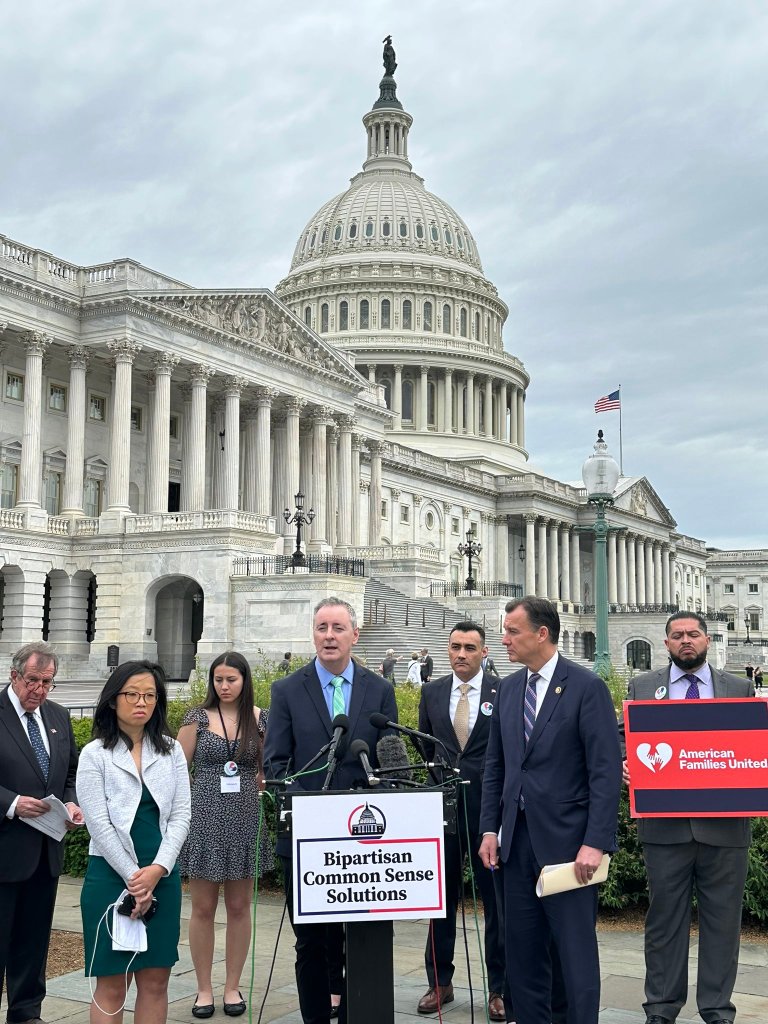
(656, 760)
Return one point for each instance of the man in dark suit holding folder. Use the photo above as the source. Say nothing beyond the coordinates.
(552, 782)
(678, 852)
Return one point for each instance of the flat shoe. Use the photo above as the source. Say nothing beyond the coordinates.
(202, 1010)
(235, 1009)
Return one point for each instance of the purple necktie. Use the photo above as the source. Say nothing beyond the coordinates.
(692, 693)
(529, 708)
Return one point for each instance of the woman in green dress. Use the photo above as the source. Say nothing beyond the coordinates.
(133, 787)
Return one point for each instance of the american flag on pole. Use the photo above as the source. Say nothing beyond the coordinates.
(608, 402)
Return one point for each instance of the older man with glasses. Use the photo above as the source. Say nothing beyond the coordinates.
(38, 759)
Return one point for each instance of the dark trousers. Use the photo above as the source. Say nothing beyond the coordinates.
(530, 924)
(442, 931)
(719, 873)
(317, 952)
(26, 915)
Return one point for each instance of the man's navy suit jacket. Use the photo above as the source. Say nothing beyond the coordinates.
(569, 773)
(299, 725)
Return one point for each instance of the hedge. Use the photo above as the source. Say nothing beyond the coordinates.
(626, 886)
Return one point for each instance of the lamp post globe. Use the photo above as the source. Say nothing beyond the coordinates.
(600, 474)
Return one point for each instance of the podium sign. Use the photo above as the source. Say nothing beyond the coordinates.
(697, 758)
(367, 855)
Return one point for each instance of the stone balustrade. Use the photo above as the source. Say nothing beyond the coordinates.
(217, 519)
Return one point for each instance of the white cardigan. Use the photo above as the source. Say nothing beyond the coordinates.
(109, 792)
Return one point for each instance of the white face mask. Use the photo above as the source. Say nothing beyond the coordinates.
(128, 935)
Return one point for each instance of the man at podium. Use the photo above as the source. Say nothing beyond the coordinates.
(303, 707)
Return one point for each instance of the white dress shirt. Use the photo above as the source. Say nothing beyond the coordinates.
(473, 696)
(545, 678)
(678, 686)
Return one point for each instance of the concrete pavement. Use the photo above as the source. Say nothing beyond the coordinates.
(621, 958)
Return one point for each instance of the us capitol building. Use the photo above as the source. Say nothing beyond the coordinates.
(152, 433)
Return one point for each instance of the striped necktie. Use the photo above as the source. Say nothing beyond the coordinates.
(339, 706)
(461, 716)
(33, 730)
(692, 693)
(529, 709)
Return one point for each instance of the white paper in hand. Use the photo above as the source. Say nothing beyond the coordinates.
(562, 877)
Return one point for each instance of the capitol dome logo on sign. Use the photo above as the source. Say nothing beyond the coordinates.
(656, 759)
(366, 821)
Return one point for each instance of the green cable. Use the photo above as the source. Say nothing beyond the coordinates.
(255, 904)
(474, 907)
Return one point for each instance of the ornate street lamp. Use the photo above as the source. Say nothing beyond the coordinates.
(600, 474)
(746, 623)
(471, 549)
(300, 518)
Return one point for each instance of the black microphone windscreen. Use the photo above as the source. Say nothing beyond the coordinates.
(340, 722)
(358, 747)
(391, 753)
(378, 721)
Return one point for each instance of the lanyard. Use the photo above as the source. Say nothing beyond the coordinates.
(230, 750)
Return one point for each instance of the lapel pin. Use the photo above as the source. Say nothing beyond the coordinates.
(558, 689)
(661, 693)
(52, 730)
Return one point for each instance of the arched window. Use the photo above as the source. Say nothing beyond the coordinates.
(469, 247)
(308, 316)
(369, 228)
(353, 230)
(324, 318)
(431, 404)
(427, 316)
(344, 316)
(481, 411)
(419, 230)
(312, 240)
(337, 233)
(434, 233)
(463, 322)
(447, 235)
(477, 326)
(459, 241)
(386, 314)
(407, 413)
(324, 236)
(407, 315)
(447, 319)
(385, 229)
(365, 313)
(403, 229)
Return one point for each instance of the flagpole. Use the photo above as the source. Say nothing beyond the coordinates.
(621, 445)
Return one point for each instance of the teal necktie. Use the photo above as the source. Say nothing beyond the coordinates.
(339, 706)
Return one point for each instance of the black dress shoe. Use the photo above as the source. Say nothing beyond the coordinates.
(202, 1010)
(334, 1012)
(235, 1009)
(655, 1018)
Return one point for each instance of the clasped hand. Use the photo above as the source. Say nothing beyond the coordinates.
(141, 885)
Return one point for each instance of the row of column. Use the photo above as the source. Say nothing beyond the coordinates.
(640, 570)
(458, 403)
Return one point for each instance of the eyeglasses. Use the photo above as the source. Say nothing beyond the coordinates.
(33, 682)
(132, 697)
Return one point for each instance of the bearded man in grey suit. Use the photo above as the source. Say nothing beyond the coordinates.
(678, 852)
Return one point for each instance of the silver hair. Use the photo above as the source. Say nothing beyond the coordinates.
(336, 602)
(41, 649)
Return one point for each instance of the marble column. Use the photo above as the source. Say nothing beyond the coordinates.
(118, 478)
(68, 612)
(502, 548)
(293, 408)
(193, 463)
(397, 396)
(542, 587)
(277, 475)
(501, 433)
(423, 398)
(249, 413)
(186, 393)
(355, 517)
(305, 466)
(321, 420)
(488, 406)
(232, 391)
(157, 477)
(622, 567)
(31, 474)
(374, 496)
(631, 570)
(512, 430)
(640, 559)
(447, 421)
(471, 425)
(565, 563)
(658, 587)
(554, 561)
(460, 406)
(521, 418)
(530, 554)
(76, 414)
(649, 584)
(332, 484)
(347, 494)
(576, 567)
(613, 582)
(666, 588)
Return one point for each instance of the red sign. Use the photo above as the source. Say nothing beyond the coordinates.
(697, 758)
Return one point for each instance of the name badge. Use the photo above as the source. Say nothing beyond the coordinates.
(230, 784)
(487, 708)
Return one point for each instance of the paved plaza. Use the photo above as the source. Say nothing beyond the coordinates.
(621, 959)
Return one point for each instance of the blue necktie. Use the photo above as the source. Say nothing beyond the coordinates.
(339, 706)
(692, 693)
(33, 731)
(529, 709)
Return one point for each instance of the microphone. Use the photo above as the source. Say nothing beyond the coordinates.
(379, 721)
(337, 747)
(393, 757)
(361, 750)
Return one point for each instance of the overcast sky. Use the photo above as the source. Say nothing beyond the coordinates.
(609, 157)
